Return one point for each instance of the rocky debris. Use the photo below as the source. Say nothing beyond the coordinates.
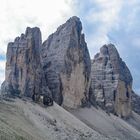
(66, 63)
(43, 99)
(24, 74)
(111, 82)
(25, 120)
(111, 126)
(136, 102)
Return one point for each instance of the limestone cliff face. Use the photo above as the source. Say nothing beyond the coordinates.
(136, 102)
(111, 82)
(66, 63)
(24, 75)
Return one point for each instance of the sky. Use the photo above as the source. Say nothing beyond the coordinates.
(104, 21)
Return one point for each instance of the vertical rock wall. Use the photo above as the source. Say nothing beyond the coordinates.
(111, 82)
(24, 75)
(66, 63)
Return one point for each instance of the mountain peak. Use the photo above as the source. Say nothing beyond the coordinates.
(65, 56)
(70, 25)
(74, 18)
(111, 81)
(30, 30)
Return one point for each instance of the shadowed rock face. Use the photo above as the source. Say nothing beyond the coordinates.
(66, 63)
(24, 75)
(136, 102)
(111, 82)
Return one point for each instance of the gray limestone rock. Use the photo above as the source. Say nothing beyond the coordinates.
(111, 82)
(66, 63)
(24, 74)
(136, 102)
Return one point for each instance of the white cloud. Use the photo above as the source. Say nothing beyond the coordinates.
(16, 15)
(2, 73)
(2, 65)
(2, 53)
(106, 16)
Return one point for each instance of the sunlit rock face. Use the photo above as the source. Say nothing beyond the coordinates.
(111, 82)
(66, 63)
(24, 75)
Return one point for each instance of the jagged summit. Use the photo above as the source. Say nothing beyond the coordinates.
(118, 64)
(75, 22)
(30, 33)
(74, 18)
(72, 22)
(30, 30)
(105, 49)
